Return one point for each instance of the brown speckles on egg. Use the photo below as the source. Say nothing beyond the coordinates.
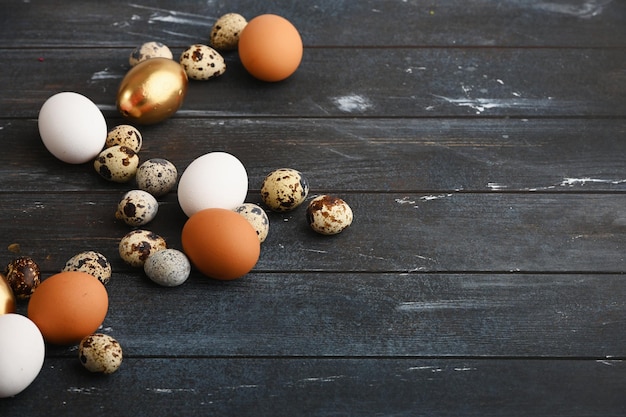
(149, 50)
(100, 353)
(329, 215)
(284, 189)
(202, 62)
(157, 176)
(136, 246)
(91, 262)
(118, 163)
(125, 135)
(137, 208)
(23, 276)
(225, 32)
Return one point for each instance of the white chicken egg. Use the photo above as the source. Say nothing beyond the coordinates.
(22, 352)
(72, 127)
(213, 180)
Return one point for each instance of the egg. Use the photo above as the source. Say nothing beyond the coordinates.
(220, 243)
(72, 127)
(270, 48)
(213, 180)
(156, 176)
(329, 215)
(117, 163)
(137, 208)
(226, 30)
(257, 217)
(168, 267)
(284, 189)
(201, 62)
(100, 353)
(125, 135)
(22, 352)
(152, 91)
(91, 262)
(68, 306)
(136, 246)
(7, 298)
(149, 50)
(24, 276)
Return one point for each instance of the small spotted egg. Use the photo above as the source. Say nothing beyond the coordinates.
(117, 163)
(100, 353)
(202, 62)
(328, 215)
(23, 276)
(284, 189)
(257, 218)
(226, 30)
(168, 267)
(156, 176)
(91, 262)
(137, 208)
(149, 50)
(125, 135)
(136, 246)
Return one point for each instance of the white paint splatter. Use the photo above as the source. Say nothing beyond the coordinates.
(106, 74)
(464, 369)
(315, 250)
(330, 378)
(352, 103)
(570, 182)
(586, 10)
(434, 197)
(82, 390)
(482, 104)
(445, 305)
(170, 390)
(405, 200)
(495, 186)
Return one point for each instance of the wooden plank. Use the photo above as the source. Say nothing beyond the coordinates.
(325, 23)
(435, 156)
(328, 387)
(369, 315)
(391, 232)
(398, 82)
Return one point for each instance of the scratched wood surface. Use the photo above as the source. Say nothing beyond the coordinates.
(480, 145)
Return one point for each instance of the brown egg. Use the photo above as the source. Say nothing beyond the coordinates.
(220, 243)
(68, 306)
(23, 276)
(270, 47)
(7, 299)
(152, 91)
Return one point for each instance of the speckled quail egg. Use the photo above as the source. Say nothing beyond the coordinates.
(168, 267)
(117, 163)
(202, 62)
(125, 135)
(284, 189)
(136, 246)
(149, 50)
(226, 30)
(91, 262)
(137, 208)
(100, 353)
(257, 218)
(328, 215)
(156, 176)
(23, 276)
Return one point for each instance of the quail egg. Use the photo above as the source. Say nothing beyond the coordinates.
(156, 176)
(136, 246)
(23, 276)
(284, 189)
(149, 50)
(257, 218)
(168, 267)
(329, 215)
(125, 135)
(137, 208)
(201, 62)
(226, 30)
(117, 163)
(100, 353)
(91, 262)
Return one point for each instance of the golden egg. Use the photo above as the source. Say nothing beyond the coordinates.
(7, 299)
(152, 91)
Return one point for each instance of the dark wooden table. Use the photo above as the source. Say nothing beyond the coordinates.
(481, 145)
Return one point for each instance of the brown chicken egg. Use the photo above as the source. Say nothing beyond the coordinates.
(152, 91)
(220, 243)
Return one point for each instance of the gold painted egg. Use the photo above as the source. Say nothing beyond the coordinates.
(7, 299)
(152, 91)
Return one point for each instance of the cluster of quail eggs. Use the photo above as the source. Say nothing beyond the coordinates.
(200, 62)
(285, 189)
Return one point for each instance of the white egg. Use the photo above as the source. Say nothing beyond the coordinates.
(72, 127)
(22, 352)
(213, 180)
